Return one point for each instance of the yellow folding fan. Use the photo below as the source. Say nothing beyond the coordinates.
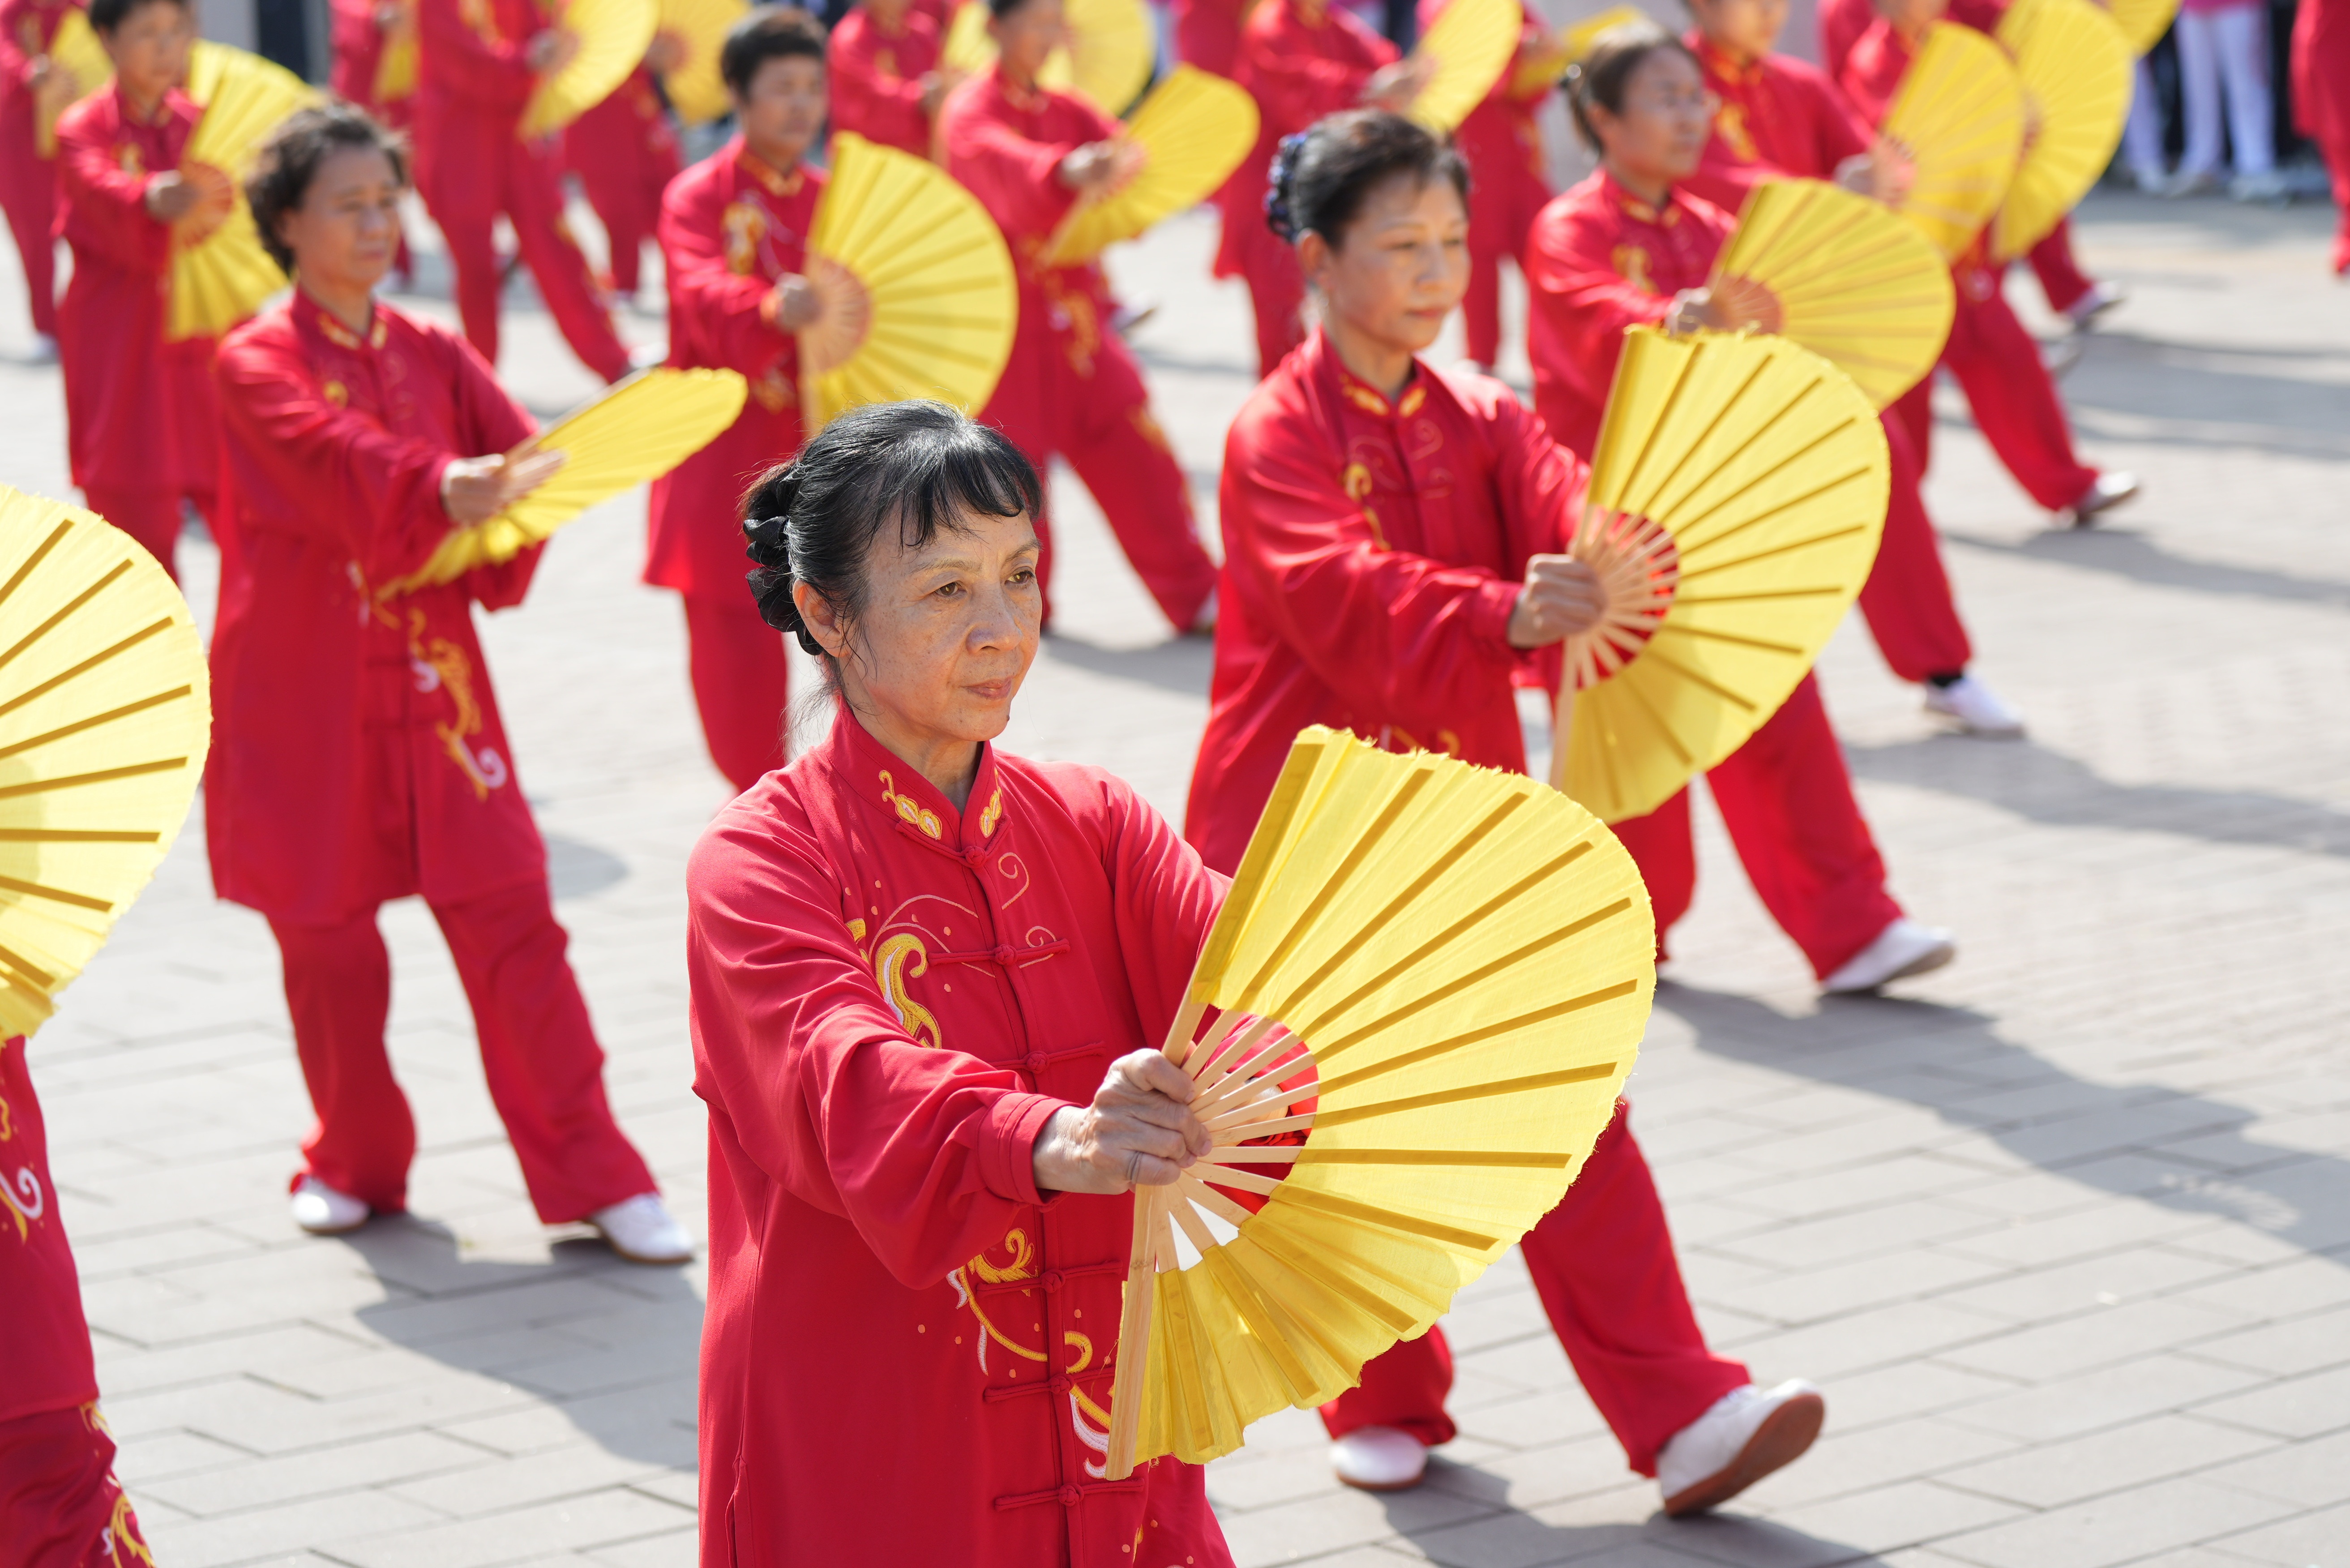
(220, 274)
(1468, 46)
(1108, 57)
(1463, 961)
(74, 47)
(637, 430)
(695, 88)
(1541, 68)
(2142, 21)
(1959, 121)
(395, 67)
(1840, 274)
(919, 296)
(2077, 72)
(1194, 128)
(1737, 496)
(612, 36)
(105, 715)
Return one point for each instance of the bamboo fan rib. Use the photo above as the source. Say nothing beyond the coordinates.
(611, 38)
(694, 89)
(1470, 44)
(1194, 128)
(1108, 57)
(1736, 495)
(2076, 69)
(919, 296)
(105, 715)
(220, 274)
(1458, 964)
(1959, 120)
(1840, 274)
(74, 47)
(637, 429)
(2142, 21)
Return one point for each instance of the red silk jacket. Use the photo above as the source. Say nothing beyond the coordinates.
(876, 79)
(1301, 60)
(1779, 118)
(472, 56)
(40, 1292)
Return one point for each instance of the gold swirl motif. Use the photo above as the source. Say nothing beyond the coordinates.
(890, 968)
(993, 815)
(908, 807)
(1021, 1266)
(29, 1187)
(453, 672)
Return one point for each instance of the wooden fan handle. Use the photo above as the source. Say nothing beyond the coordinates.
(1134, 1334)
(1562, 717)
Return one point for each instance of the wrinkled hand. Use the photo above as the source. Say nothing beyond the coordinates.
(934, 91)
(171, 196)
(550, 51)
(1696, 309)
(1392, 87)
(1882, 173)
(1562, 599)
(1097, 167)
(476, 488)
(665, 53)
(797, 305)
(1138, 1132)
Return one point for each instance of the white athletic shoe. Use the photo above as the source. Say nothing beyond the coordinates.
(1904, 948)
(1979, 709)
(641, 1230)
(1747, 1434)
(323, 1211)
(2101, 297)
(2112, 488)
(1379, 1459)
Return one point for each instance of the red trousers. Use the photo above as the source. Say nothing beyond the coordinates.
(60, 1506)
(545, 1068)
(2016, 406)
(623, 175)
(471, 167)
(1276, 286)
(1787, 801)
(28, 195)
(150, 516)
(1906, 599)
(1603, 1263)
(2061, 278)
(1501, 214)
(739, 685)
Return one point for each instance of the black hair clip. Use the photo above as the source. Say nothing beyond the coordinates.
(768, 543)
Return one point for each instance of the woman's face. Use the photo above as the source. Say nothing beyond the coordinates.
(149, 48)
(948, 630)
(346, 233)
(1660, 131)
(1027, 35)
(785, 108)
(1745, 30)
(1400, 267)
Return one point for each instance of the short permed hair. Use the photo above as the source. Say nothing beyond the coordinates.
(290, 159)
(106, 15)
(1603, 76)
(769, 33)
(1322, 175)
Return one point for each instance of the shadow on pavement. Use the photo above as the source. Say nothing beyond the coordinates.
(609, 1346)
(2122, 1138)
(1180, 664)
(575, 869)
(2125, 554)
(2044, 787)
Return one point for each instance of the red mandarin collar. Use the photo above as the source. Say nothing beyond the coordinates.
(328, 326)
(861, 766)
(1715, 62)
(764, 173)
(1362, 395)
(1639, 211)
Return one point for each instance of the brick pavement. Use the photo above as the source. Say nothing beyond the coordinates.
(2063, 1230)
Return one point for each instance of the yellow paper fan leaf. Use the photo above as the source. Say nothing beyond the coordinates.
(1111, 49)
(1195, 129)
(221, 275)
(75, 48)
(2077, 71)
(105, 715)
(395, 67)
(1569, 44)
(1959, 118)
(1464, 961)
(1738, 494)
(612, 38)
(2142, 21)
(919, 299)
(1470, 43)
(636, 431)
(1841, 275)
(696, 89)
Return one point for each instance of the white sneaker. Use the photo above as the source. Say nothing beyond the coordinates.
(1747, 1434)
(2111, 489)
(640, 1230)
(1979, 709)
(323, 1211)
(44, 350)
(2101, 297)
(1379, 1459)
(1904, 948)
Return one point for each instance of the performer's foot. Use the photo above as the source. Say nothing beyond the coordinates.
(1124, 318)
(640, 1230)
(1979, 709)
(323, 1211)
(1379, 1459)
(1904, 948)
(1749, 1433)
(44, 350)
(2059, 355)
(2101, 297)
(2109, 489)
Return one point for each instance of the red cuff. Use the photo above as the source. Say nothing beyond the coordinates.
(1490, 619)
(1007, 1144)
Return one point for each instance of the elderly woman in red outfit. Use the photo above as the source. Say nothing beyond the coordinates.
(926, 979)
(357, 751)
(1392, 561)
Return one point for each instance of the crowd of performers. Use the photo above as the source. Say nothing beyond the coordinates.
(930, 1131)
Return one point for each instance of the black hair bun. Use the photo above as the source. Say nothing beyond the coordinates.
(767, 544)
(1280, 179)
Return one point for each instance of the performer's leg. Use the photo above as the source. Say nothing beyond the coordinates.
(2198, 93)
(1603, 1261)
(2061, 278)
(1908, 596)
(546, 1071)
(1118, 450)
(534, 205)
(60, 1504)
(1480, 307)
(1661, 845)
(1914, 412)
(338, 990)
(150, 516)
(1276, 292)
(1403, 1386)
(2243, 34)
(739, 685)
(610, 190)
(2142, 132)
(460, 185)
(1787, 800)
(2014, 402)
(28, 194)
